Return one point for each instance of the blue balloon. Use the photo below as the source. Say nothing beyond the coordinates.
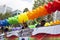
(1, 24)
(4, 23)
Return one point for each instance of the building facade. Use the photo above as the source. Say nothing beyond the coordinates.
(4, 9)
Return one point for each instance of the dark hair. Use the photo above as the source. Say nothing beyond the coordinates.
(43, 22)
(23, 39)
(25, 25)
(6, 30)
(2, 28)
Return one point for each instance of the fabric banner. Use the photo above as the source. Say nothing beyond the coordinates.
(21, 33)
(23, 38)
(28, 32)
(49, 30)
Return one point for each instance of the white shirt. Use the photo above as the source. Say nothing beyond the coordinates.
(2, 36)
(12, 33)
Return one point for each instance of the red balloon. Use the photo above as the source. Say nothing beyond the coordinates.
(56, 4)
(48, 9)
(53, 8)
(50, 4)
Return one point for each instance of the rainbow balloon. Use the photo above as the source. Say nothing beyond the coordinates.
(31, 15)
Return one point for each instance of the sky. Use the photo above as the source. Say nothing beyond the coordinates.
(18, 4)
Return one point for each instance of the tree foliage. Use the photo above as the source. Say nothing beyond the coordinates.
(25, 10)
(5, 16)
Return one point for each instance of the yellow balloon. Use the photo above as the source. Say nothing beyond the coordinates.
(51, 23)
(25, 17)
(22, 18)
(47, 24)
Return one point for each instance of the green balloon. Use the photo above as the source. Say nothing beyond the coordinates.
(32, 26)
(15, 20)
(9, 20)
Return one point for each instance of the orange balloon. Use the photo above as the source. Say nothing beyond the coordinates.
(39, 12)
(43, 11)
(34, 12)
(30, 15)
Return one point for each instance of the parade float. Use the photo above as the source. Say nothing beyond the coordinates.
(52, 27)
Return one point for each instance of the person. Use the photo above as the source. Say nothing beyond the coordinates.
(6, 30)
(2, 28)
(41, 24)
(22, 39)
(25, 25)
(1, 33)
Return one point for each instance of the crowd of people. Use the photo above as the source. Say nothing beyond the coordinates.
(23, 26)
(4, 30)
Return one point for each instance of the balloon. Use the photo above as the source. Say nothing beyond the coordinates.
(47, 24)
(25, 17)
(49, 7)
(38, 11)
(4, 23)
(43, 11)
(56, 4)
(22, 18)
(29, 14)
(52, 23)
(9, 20)
(14, 20)
(0, 22)
(32, 26)
(33, 15)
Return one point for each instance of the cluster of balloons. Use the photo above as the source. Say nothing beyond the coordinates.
(13, 20)
(4, 22)
(53, 6)
(30, 15)
(9, 21)
(51, 23)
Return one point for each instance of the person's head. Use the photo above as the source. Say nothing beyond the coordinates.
(25, 25)
(23, 39)
(43, 22)
(2, 29)
(6, 30)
